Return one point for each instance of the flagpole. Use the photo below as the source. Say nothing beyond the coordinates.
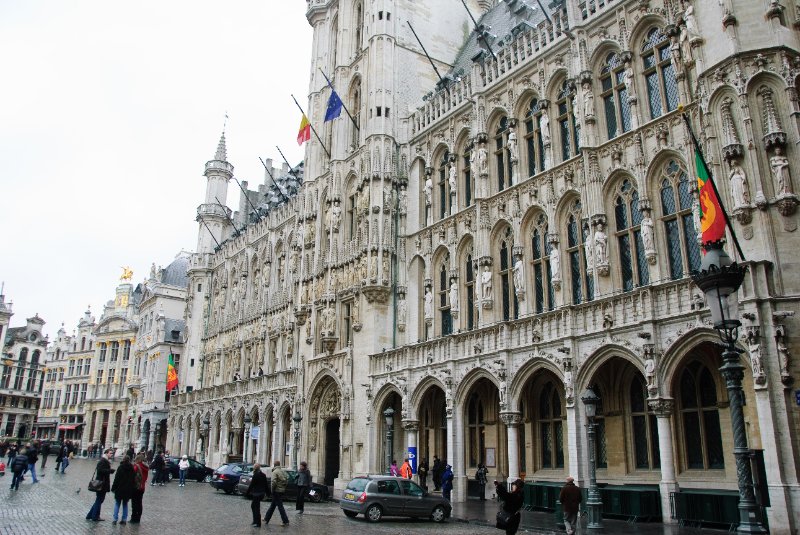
(480, 34)
(246, 196)
(273, 180)
(713, 184)
(312, 128)
(343, 105)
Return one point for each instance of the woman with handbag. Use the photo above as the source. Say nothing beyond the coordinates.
(256, 492)
(100, 484)
(508, 518)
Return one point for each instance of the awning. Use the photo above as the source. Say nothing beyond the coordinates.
(68, 427)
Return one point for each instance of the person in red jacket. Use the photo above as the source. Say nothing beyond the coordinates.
(405, 470)
(140, 468)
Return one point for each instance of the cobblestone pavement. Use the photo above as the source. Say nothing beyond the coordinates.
(54, 507)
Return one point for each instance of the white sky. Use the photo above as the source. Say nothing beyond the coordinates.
(109, 111)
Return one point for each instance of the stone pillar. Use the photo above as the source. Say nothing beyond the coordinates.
(411, 427)
(512, 421)
(456, 456)
(574, 445)
(664, 407)
(274, 433)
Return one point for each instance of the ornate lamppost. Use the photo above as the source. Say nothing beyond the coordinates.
(247, 422)
(719, 279)
(388, 416)
(297, 418)
(203, 434)
(594, 503)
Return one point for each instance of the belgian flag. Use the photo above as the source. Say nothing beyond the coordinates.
(172, 374)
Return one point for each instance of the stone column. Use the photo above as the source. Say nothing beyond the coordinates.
(664, 407)
(411, 427)
(512, 421)
(456, 456)
(274, 435)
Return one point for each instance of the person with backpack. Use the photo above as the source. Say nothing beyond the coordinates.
(447, 482)
(480, 477)
(140, 468)
(18, 468)
(280, 479)
(124, 486)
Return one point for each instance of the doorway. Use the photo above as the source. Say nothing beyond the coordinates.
(332, 453)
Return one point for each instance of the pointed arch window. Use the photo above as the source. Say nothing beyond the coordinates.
(467, 181)
(534, 145)
(601, 448)
(355, 105)
(679, 227)
(443, 186)
(659, 73)
(510, 304)
(633, 263)
(615, 96)
(502, 158)
(644, 426)
(469, 278)
(581, 280)
(543, 297)
(359, 24)
(569, 131)
(446, 319)
(551, 428)
(700, 419)
(476, 431)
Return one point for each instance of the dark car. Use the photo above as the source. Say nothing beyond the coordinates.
(316, 493)
(226, 477)
(379, 496)
(197, 471)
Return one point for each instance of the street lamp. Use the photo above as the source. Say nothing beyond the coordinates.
(388, 416)
(297, 418)
(719, 279)
(203, 433)
(594, 503)
(247, 422)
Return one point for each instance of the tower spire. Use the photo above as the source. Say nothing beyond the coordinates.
(222, 151)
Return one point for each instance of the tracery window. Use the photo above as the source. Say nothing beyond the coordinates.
(551, 428)
(615, 96)
(700, 418)
(534, 145)
(600, 446)
(502, 158)
(568, 128)
(679, 227)
(543, 297)
(659, 73)
(476, 431)
(633, 263)
(445, 317)
(355, 105)
(444, 186)
(510, 304)
(469, 272)
(467, 181)
(644, 426)
(581, 280)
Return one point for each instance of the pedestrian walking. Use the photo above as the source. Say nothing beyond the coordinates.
(103, 472)
(480, 477)
(303, 484)
(157, 466)
(33, 458)
(124, 487)
(447, 482)
(64, 458)
(570, 498)
(131, 452)
(393, 471)
(512, 503)
(44, 452)
(422, 472)
(436, 472)
(140, 467)
(183, 467)
(256, 492)
(405, 471)
(279, 481)
(12, 452)
(18, 468)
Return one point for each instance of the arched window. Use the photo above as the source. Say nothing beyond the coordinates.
(467, 180)
(83, 343)
(534, 145)
(645, 428)
(581, 280)
(543, 297)
(359, 25)
(700, 419)
(600, 446)
(23, 355)
(501, 156)
(510, 305)
(475, 429)
(659, 73)
(446, 319)
(679, 229)
(35, 358)
(443, 186)
(615, 96)
(568, 128)
(633, 263)
(355, 107)
(551, 428)
(469, 278)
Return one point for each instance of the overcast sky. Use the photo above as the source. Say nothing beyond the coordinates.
(109, 111)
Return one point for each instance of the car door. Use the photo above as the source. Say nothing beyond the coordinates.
(390, 497)
(291, 486)
(414, 503)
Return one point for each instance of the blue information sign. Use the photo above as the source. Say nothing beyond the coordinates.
(412, 458)
(797, 396)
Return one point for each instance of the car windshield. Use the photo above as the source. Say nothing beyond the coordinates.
(358, 484)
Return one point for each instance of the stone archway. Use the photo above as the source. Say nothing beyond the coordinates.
(324, 428)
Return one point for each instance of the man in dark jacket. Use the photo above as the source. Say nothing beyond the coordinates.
(18, 468)
(157, 466)
(436, 472)
(33, 458)
(256, 492)
(103, 473)
(131, 452)
(303, 483)
(44, 452)
(570, 499)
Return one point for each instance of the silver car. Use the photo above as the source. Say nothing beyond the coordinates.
(379, 496)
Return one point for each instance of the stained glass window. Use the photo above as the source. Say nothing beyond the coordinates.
(446, 326)
(628, 219)
(700, 418)
(551, 430)
(676, 206)
(502, 158)
(645, 429)
(510, 306)
(615, 96)
(567, 126)
(659, 73)
(469, 272)
(581, 281)
(534, 144)
(540, 252)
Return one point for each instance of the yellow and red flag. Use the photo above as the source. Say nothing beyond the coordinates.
(305, 131)
(712, 216)
(172, 374)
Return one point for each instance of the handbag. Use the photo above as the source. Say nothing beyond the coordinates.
(95, 485)
(503, 518)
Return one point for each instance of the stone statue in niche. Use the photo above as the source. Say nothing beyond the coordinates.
(428, 191)
(739, 188)
(373, 267)
(473, 163)
(588, 249)
(780, 172)
(555, 264)
(650, 370)
(588, 100)
(329, 320)
(403, 202)
(402, 312)
(453, 295)
(428, 303)
(512, 144)
(452, 178)
(569, 385)
(519, 275)
(686, 47)
(483, 160)
(600, 245)
(486, 283)
(385, 268)
(647, 235)
(691, 22)
(544, 127)
(336, 216)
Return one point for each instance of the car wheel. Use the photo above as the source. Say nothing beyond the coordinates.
(350, 514)
(374, 513)
(316, 498)
(207, 479)
(438, 514)
(170, 476)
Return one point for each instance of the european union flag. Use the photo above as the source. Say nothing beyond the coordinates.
(334, 107)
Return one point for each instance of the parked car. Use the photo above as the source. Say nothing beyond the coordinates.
(226, 477)
(378, 496)
(197, 471)
(316, 493)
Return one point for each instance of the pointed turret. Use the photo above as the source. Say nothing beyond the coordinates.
(222, 151)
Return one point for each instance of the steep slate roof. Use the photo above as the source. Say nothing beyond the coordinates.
(174, 325)
(175, 273)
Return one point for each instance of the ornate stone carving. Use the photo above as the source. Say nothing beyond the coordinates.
(663, 407)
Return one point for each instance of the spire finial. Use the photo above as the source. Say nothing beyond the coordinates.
(222, 151)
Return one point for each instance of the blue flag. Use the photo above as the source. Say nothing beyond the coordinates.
(334, 107)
